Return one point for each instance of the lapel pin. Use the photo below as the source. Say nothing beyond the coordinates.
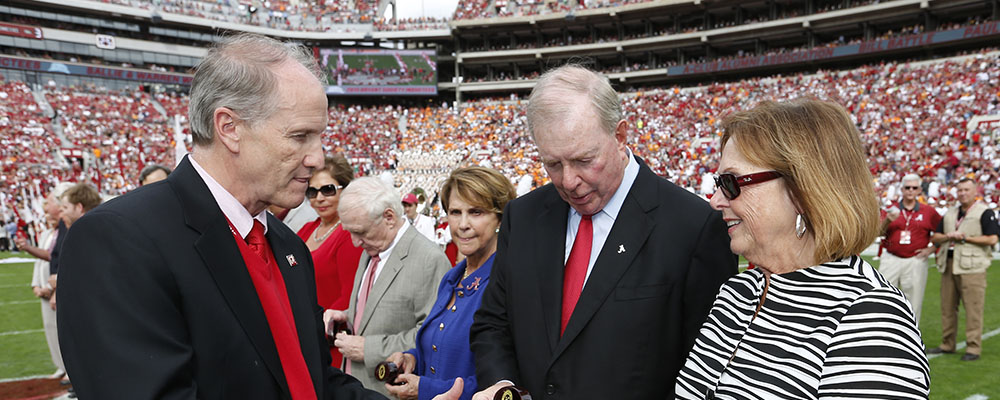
(291, 260)
(621, 248)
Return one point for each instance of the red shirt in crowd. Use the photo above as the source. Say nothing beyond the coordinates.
(919, 222)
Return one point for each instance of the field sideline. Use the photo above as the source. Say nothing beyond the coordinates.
(25, 354)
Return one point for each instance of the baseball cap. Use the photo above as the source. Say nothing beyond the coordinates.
(410, 198)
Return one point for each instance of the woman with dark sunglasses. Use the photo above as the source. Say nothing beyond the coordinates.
(334, 256)
(813, 320)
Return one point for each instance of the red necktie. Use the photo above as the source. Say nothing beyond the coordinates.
(576, 269)
(258, 243)
(270, 287)
(359, 309)
(366, 286)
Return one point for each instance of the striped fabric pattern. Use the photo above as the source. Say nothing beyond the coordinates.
(832, 331)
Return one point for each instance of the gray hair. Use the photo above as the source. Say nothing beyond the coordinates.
(372, 194)
(238, 73)
(910, 178)
(547, 102)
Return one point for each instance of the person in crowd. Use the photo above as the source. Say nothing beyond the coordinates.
(608, 254)
(474, 199)
(76, 201)
(209, 296)
(395, 283)
(40, 274)
(153, 173)
(907, 228)
(335, 258)
(422, 223)
(795, 191)
(965, 237)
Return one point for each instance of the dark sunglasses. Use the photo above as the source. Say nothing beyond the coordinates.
(730, 184)
(327, 190)
(911, 187)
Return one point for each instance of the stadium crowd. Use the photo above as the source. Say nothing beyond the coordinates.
(912, 117)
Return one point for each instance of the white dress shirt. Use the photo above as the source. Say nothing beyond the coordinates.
(237, 214)
(604, 219)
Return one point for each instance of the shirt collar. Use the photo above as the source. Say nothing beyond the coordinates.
(231, 208)
(618, 199)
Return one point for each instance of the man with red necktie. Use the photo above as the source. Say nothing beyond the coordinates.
(208, 296)
(602, 278)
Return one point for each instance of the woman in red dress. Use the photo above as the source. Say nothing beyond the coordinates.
(334, 256)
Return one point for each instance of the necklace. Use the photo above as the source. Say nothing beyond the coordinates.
(328, 232)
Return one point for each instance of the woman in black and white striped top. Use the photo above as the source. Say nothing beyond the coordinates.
(813, 320)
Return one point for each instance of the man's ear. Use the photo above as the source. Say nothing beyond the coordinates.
(389, 216)
(621, 133)
(225, 121)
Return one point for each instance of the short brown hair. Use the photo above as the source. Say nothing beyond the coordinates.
(83, 194)
(479, 186)
(339, 169)
(818, 151)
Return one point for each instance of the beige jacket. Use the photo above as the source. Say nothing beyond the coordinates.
(969, 258)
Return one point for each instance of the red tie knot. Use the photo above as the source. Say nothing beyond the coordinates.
(256, 236)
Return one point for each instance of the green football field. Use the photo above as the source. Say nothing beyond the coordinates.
(23, 352)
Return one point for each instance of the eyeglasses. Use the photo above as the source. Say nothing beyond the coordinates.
(730, 184)
(911, 187)
(327, 190)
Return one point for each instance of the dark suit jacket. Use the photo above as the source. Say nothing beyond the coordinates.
(649, 292)
(155, 302)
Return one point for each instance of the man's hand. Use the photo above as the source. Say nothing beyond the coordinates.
(490, 391)
(925, 252)
(331, 318)
(956, 236)
(892, 214)
(52, 301)
(20, 242)
(405, 361)
(351, 346)
(455, 392)
(42, 293)
(409, 388)
(53, 280)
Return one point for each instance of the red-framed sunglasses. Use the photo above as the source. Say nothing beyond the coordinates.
(730, 184)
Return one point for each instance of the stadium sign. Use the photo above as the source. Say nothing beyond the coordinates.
(983, 30)
(95, 71)
(984, 123)
(30, 32)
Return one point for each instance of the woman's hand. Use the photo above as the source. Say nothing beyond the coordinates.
(406, 388)
(405, 361)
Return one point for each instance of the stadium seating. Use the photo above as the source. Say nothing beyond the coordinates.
(911, 116)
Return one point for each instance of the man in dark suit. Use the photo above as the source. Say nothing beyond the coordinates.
(188, 288)
(602, 278)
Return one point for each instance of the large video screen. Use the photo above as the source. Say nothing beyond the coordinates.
(380, 71)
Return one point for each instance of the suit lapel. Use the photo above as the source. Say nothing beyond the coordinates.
(628, 235)
(297, 286)
(388, 274)
(550, 253)
(222, 258)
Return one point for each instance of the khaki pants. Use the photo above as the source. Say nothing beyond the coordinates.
(971, 290)
(907, 274)
(51, 334)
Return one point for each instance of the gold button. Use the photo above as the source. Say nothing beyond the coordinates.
(434, 347)
(441, 327)
(453, 308)
(433, 371)
(460, 294)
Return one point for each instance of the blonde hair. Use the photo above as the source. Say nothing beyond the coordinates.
(818, 151)
(479, 186)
